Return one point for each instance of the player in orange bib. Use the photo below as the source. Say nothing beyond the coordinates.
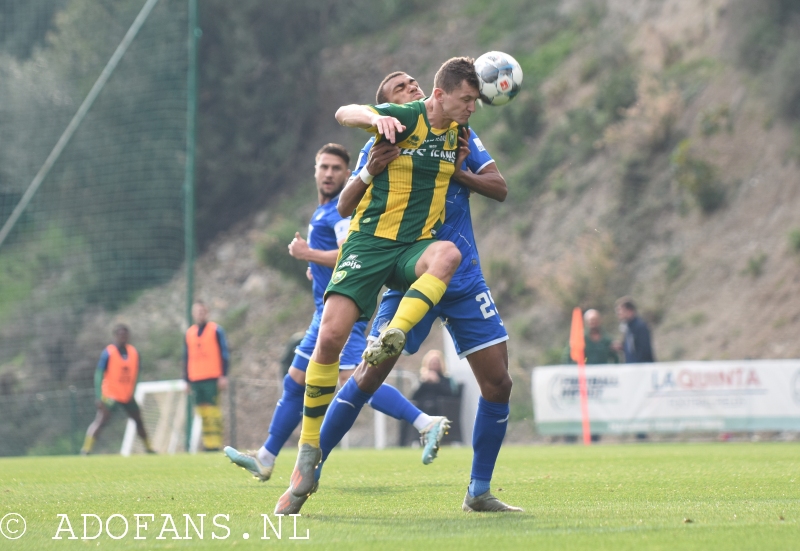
(206, 357)
(114, 382)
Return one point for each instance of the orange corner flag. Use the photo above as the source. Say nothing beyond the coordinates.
(577, 351)
(577, 341)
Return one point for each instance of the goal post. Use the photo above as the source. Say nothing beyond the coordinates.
(164, 408)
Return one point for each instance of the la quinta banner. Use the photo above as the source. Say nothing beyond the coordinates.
(670, 397)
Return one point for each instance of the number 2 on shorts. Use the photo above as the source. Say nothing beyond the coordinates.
(486, 303)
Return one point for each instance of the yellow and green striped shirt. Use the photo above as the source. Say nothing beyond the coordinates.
(406, 201)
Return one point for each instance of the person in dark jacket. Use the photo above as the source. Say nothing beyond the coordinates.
(636, 344)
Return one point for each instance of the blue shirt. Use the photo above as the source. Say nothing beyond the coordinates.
(457, 226)
(326, 230)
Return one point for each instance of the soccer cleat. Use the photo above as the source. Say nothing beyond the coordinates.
(249, 462)
(290, 504)
(303, 481)
(487, 503)
(431, 436)
(388, 345)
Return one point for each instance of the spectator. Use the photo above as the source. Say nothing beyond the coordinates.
(433, 378)
(636, 344)
(599, 348)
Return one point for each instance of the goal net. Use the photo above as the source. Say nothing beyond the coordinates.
(164, 410)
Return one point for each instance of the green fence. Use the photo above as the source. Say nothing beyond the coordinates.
(107, 219)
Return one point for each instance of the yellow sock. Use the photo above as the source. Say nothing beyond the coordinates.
(423, 295)
(88, 444)
(321, 382)
(212, 426)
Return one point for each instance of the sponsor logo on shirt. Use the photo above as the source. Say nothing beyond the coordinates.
(433, 153)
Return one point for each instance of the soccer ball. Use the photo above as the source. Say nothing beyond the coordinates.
(500, 76)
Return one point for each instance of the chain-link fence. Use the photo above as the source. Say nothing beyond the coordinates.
(106, 221)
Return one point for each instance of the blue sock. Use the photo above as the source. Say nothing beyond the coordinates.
(487, 437)
(341, 415)
(387, 399)
(288, 414)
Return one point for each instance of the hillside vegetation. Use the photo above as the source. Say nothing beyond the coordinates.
(654, 151)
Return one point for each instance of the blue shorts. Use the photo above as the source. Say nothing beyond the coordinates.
(467, 310)
(350, 356)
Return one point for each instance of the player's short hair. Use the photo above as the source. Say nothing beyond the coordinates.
(627, 303)
(334, 149)
(120, 327)
(381, 97)
(454, 71)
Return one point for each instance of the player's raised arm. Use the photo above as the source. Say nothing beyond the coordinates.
(361, 116)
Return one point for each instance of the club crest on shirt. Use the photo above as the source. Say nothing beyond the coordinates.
(452, 138)
(338, 276)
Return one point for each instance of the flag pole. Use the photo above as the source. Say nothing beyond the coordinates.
(577, 351)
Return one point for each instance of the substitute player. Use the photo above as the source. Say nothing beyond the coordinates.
(466, 307)
(205, 369)
(114, 382)
(390, 242)
(326, 232)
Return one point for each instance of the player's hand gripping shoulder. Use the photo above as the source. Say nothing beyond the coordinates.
(463, 151)
(380, 155)
(361, 116)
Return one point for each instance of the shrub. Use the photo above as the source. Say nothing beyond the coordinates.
(616, 92)
(794, 240)
(272, 251)
(674, 268)
(786, 80)
(755, 265)
(697, 177)
(761, 43)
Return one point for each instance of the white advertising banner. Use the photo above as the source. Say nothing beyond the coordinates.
(670, 397)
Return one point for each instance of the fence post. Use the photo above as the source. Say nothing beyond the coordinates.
(73, 417)
(232, 410)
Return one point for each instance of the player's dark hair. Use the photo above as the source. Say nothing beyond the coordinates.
(454, 71)
(120, 327)
(334, 149)
(627, 303)
(380, 97)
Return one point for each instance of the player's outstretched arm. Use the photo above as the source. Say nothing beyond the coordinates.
(380, 155)
(488, 182)
(361, 116)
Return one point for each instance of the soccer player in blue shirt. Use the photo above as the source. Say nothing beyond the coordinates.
(466, 307)
(326, 232)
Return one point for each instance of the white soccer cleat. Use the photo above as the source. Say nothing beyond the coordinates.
(388, 345)
(487, 503)
(431, 436)
(249, 461)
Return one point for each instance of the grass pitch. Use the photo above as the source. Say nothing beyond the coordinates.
(677, 496)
